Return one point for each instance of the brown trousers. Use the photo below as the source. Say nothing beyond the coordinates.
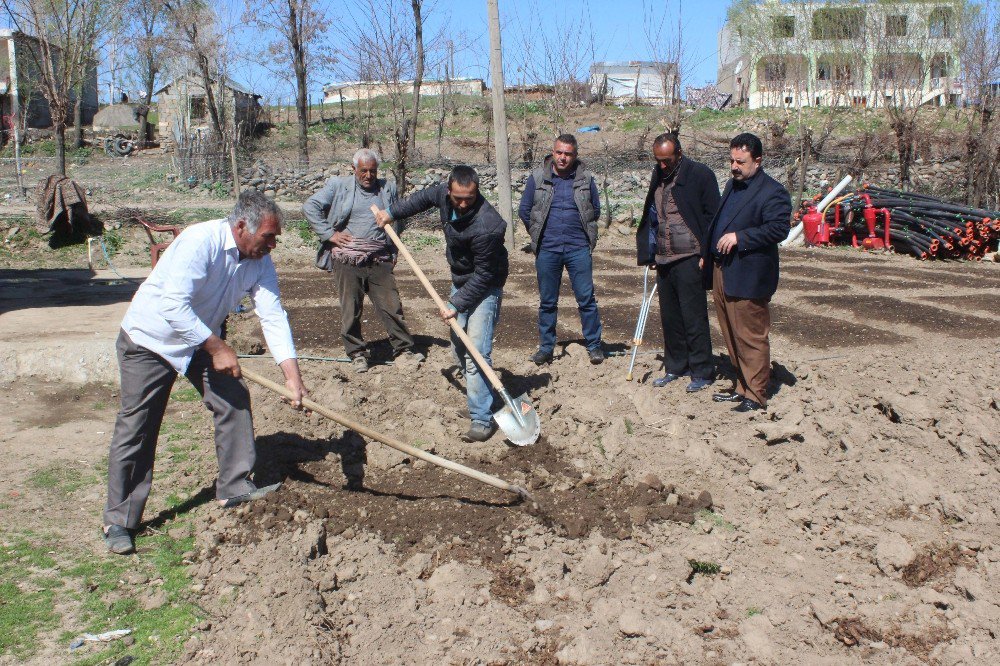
(746, 325)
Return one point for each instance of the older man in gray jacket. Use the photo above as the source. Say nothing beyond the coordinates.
(359, 254)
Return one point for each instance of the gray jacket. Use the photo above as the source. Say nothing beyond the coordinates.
(542, 179)
(329, 210)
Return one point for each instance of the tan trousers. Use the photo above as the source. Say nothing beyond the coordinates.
(746, 325)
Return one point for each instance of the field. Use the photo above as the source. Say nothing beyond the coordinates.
(854, 522)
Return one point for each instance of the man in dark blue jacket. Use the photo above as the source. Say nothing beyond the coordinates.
(740, 265)
(474, 236)
(560, 208)
(683, 198)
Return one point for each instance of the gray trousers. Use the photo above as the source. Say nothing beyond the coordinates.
(146, 380)
(376, 280)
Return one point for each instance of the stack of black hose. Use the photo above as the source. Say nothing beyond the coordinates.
(924, 226)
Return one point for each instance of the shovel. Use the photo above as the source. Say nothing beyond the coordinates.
(396, 444)
(517, 418)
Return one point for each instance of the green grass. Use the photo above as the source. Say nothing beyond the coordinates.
(26, 597)
(753, 610)
(714, 519)
(62, 478)
(419, 241)
(191, 215)
(633, 124)
(704, 568)
(185, 394)
(113, 241)
(302, 228)
(629, 429)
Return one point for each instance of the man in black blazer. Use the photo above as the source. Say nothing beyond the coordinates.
(740, 265)
(683, 198)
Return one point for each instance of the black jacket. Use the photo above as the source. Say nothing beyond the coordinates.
(474, 248)
(751, 270)
(696, 191)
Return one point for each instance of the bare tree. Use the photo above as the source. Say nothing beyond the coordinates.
(669, 53)
(555, 53)
(147, 54)
(384, 44)
(196, 39)
(980, 78)
(67, 35)
(301, 24)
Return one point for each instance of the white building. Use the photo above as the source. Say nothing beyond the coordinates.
(849, 53)
(635, 81)
(349, 91)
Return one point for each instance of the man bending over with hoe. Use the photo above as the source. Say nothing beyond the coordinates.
(474, 235)
(174, 325)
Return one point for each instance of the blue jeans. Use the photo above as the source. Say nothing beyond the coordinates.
(479, 323)
(580, 266)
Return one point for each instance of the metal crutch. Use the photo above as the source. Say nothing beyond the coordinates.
(640, 324)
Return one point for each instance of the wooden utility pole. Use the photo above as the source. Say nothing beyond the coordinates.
(500, 122)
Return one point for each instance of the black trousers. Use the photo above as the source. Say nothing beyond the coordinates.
(687, 341)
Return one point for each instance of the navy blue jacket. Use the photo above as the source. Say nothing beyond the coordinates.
(761, 222)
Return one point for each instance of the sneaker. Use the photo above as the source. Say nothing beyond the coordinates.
(698, 384)
(748, 405)
(596, 355)
(255, 494)
(118, 539)
(727, 397)
(360, 364)
(666, 379)
(479, 432)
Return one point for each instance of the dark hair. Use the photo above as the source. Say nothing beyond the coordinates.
(668, 137)
(748, 142)
(464, 175)
(567, 139)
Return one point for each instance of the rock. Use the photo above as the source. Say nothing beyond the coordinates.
(236, 577)
(755, 632)
(763, 476)
(652, 481)
(153, 600)
(347, 574)
(543, 625)
(594, 568)
(580, 651)
(893, 553)
(418, 566)
(631, 623)
(824, 613)
(953, 507)
(780, 431)
(970, 585)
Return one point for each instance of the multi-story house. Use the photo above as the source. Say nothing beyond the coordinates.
(841, 53)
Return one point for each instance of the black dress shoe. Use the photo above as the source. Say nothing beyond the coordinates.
(748, 405)
(596, 356)
(541, 358)
(727, 397)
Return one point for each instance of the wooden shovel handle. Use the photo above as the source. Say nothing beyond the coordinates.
(484, 367)
(388, 441)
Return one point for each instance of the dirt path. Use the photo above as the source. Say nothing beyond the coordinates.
(855, 522)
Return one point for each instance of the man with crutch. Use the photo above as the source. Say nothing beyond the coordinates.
(681, 202)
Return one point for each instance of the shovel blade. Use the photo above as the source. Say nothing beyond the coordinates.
(521, 427)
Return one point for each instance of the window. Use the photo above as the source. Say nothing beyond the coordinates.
(198, 108)
(940, 21)
(838, 23)
(774, 70)
(940, 66)
(823, 70)
(783, 27)
(895, 26)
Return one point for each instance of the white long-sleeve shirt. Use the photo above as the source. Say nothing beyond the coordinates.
(198, 280)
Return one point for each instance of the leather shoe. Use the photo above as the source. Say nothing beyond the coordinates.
(119, 540)
(479, 432)
(541, 357)
(727, 397)
(697, 384)
(665, 379)
(596, 356)
(748, 405)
